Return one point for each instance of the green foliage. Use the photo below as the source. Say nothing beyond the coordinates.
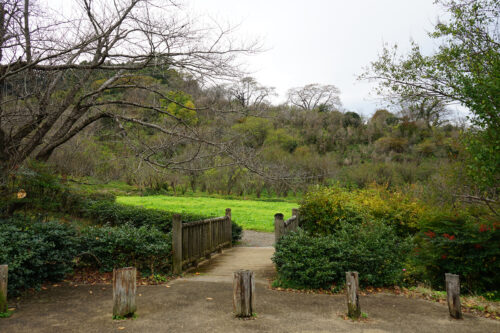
(115, 214)
(146, 248)
(36, 251)
(461, 245)
(254, 131)
(372, 249)
(181, 106)
(324, 210)
(388, 144)
(236, 231)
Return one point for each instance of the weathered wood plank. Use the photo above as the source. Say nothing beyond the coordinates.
(278, 227)
(177, 244)
(243, 293)
(124, 289)
(4, 278)
(228, 226)
(453, 295)
(352, 286)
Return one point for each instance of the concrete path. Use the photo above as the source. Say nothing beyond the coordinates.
(203, 303)
(221, 267)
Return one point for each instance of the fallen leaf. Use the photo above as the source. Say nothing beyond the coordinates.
(43, 288)
(140, 294)
(121, 328)
(12, 309)
(55, 285)
(197, 273)
(90, 292)
(167, 286)
(209, 298)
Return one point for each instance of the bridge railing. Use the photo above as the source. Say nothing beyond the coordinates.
(194, 241)
(282, 227)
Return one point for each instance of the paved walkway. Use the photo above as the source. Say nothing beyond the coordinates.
(221, 267)
(203, 303)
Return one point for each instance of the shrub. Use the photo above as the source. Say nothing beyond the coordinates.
(387, 144)
(236, 231)
(461, 245)
(36, 251)
(372, 249)
(146, 248)
(107, 212)
(324, 210)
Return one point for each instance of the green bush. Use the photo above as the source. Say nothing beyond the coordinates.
(146, 248)
(461, 245)
(324, 210)
(107, 212)
(372, 249)
(36, 251)
(236, 231)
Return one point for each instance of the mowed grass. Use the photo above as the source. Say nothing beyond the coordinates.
(250, 214)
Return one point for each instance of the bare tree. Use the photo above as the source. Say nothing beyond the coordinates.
(315, 96)
(56, 73)
(247, 92)
(431, 110)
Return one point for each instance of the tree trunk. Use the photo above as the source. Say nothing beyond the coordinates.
(243, 293)
(124, 290)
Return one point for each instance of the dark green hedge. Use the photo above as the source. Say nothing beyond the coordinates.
(372, 249)
(146, 248)
(36, 251)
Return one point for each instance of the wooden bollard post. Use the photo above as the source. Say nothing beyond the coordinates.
(243, 293)
(229, 227)
(4, 278)
(453, 295)
(177, 244)
(124, 290)
(352, 284)
(278, 227)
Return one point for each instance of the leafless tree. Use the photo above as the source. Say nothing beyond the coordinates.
(56, 73)
(247, 92)
(315, 96)
(431, 110)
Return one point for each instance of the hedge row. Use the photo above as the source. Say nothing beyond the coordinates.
(38, 251)
(374, 250)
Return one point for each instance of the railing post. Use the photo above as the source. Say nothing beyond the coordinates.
(4, 277)
(453, 295)
(229, 227)
(177, 244)
(278, 227)
(295, 212)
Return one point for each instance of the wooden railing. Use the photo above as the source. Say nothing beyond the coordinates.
(282, 227)
(194, 241)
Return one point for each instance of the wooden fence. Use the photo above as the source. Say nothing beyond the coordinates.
(282, 227)
(194, 241)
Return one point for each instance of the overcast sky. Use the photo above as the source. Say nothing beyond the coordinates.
(324, 41)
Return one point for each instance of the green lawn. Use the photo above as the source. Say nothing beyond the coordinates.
(250, 214)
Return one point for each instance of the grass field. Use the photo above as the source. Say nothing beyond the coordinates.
(250, 214)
